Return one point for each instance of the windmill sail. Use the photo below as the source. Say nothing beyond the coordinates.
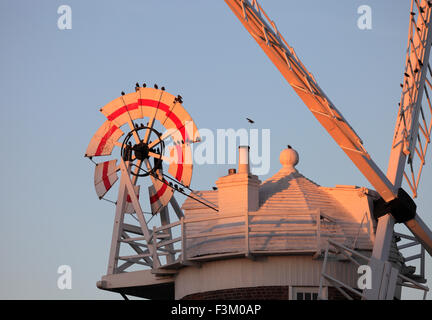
(412, 132)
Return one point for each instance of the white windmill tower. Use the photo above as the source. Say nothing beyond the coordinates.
(258, 240)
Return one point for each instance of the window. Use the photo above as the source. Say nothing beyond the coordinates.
(307, 296)
(305, 293)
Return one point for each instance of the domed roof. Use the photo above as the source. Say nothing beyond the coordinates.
(290, 190)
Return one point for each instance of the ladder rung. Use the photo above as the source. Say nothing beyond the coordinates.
(137, 256)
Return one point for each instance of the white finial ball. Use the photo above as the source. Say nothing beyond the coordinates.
(289, 157)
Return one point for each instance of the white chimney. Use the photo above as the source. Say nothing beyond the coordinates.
(239, 192)
(243, 166)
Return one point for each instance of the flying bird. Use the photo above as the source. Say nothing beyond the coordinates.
(250, 120)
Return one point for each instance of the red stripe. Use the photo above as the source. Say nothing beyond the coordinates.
(159, 194)
(179, 172)
(128, 198)
(105, 139)
(122, 110)
(154, 104)
(105, 178)
(170, 115)
(164, 107)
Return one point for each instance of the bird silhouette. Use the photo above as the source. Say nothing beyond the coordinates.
(250, 120)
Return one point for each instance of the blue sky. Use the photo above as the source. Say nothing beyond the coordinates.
(53, 83)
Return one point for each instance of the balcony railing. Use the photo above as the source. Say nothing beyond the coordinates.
(191, 240)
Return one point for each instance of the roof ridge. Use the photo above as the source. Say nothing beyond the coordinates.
(292, 178)
(304, 195)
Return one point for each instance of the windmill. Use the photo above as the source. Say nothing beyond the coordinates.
(411, 137)
(149, 134)
(242, 219)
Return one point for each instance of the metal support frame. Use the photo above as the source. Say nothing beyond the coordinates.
(384, 281)
(118, 226)
(120, 235)
(413, 242)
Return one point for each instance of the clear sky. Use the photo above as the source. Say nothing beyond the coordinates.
(53, 83)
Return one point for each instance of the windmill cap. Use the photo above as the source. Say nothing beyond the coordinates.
(289, 157)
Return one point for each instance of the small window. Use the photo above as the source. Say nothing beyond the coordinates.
(305, 293)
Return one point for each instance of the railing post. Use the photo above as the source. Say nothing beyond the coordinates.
(422, 262)
(183, 240)
(156, 262)
(318, 232)
(323, 270)
(247, 250)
